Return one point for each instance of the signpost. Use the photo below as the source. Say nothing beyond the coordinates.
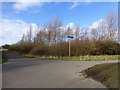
(69, 38)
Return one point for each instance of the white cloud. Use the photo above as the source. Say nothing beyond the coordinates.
(96, 24)
(70, 25)
(12, 30)
(21, 6)
(75, 4)
(89, 1)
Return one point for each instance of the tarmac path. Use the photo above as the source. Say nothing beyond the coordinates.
(21, 72)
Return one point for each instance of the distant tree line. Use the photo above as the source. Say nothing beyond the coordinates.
(51, 39)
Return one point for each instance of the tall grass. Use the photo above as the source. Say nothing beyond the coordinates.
(78, 58)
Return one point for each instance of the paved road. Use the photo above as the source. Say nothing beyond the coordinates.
(21, 72)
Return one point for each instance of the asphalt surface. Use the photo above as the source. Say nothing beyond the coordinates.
(21, 72)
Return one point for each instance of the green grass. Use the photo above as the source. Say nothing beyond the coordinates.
(2, 58)
(107, 74)
(78, 58)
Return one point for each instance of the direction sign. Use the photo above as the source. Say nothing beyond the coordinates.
(70, 37)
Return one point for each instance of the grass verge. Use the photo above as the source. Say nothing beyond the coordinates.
(78, 58)
(107, 74)
(2, 57)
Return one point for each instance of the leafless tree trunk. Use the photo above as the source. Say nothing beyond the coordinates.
(112, 25)
(29, 34)
(77, 32)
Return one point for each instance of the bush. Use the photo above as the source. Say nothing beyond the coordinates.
(39, 50)
(103, 47)
(78, 47)
(54, 50)
(22, 48)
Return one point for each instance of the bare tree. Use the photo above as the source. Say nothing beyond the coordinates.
(53, 30)
(40, 36)
(69, 32)
(77, 32)
(112, 25)
(23, 38)
(94, 34)
(29, 34)
(57, 24)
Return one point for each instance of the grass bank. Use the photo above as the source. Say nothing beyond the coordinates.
(107, 74)
(78, 58)
(2, 57)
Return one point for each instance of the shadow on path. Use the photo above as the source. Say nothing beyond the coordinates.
(11, 56)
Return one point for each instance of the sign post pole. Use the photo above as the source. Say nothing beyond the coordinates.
(69, 38)
(69, 48)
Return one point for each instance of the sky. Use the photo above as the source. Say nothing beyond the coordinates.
(18, 16)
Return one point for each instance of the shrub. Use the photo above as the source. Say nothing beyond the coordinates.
(78, 47)
(22, 48)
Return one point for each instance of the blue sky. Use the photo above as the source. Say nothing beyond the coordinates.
(84, 13)
(80, 13)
